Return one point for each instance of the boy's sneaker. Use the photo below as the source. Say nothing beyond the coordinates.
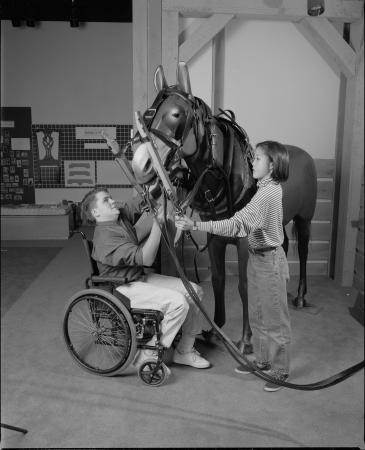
(192, 358)
(245, 369)
(271, 386)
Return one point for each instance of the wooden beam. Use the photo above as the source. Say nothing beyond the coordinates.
(189, 30)
(218, 65)
(170, 47)
(329, 43)
(292, 10)
(352, 160)
(203, 35)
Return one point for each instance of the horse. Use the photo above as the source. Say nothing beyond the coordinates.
(209, 159)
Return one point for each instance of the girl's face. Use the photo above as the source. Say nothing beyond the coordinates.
(262, 166)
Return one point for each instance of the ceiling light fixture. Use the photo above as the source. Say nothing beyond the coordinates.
(315, 7)
(74, 17)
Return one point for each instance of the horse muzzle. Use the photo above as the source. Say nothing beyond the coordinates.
(142, 165)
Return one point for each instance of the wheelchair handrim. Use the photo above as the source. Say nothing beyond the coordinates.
(101, 344)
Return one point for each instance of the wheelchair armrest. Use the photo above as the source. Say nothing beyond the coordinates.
(106, 279)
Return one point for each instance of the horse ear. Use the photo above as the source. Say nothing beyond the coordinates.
(159, 79)
(183, 78)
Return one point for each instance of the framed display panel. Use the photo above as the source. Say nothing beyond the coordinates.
(17, 172)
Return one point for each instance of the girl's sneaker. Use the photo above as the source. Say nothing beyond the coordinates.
(245, 369)
(270, 386)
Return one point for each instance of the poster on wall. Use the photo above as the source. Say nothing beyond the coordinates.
(47, 141)
(17, 174)
(79, 173)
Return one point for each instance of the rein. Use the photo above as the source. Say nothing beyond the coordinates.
(232, 349)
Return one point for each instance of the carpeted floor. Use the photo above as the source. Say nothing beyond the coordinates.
(61, 406)
(20, 266)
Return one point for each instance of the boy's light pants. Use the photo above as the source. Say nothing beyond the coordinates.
(168, 295)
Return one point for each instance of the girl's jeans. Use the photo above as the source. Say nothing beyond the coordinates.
(267, 275)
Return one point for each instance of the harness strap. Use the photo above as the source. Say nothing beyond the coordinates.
(168, 140)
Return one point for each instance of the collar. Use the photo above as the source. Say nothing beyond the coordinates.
(263, 183)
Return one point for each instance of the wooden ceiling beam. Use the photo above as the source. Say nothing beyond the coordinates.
(291, 10)
(204, 34)
(329, 43)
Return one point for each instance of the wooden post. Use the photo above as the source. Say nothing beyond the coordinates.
(352, 158)
(140, 68)
(146, 51)
(170, 44)
(218, 65)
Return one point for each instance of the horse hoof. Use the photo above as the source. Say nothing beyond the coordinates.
(299, 303)
(211, 336)
(248, 349)
(244, 348)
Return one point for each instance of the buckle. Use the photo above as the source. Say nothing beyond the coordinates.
(149, 114)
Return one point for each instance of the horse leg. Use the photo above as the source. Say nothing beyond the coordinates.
(217, 256)
(244, 344)
(286, 242)
(302, 227)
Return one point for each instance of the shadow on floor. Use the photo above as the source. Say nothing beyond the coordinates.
(61, 405)
(20, 266)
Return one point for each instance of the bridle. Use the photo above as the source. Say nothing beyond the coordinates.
(192, 120)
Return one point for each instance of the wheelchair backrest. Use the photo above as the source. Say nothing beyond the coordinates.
(88, 245)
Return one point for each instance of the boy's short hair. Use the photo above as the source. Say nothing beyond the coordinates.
(279, 156)
(88, 203)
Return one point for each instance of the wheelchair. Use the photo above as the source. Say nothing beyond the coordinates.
(103, 333)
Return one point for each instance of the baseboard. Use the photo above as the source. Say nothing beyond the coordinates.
(357, 311)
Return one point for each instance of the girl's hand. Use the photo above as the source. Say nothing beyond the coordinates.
(112, 143)
(183, 223)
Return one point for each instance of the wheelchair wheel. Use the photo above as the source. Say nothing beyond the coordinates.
(99, 332)
(148, 375)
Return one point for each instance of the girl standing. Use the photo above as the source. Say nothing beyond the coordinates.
(267, 270)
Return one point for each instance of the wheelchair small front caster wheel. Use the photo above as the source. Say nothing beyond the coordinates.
(149, 375)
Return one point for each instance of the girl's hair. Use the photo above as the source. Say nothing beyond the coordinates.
(88, 203)
(279, 156)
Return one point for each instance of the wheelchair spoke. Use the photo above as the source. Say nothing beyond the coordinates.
(98, 333)
(83, 318)
(84, 349)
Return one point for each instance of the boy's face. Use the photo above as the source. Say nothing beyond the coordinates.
(105, 208)
(262, 166)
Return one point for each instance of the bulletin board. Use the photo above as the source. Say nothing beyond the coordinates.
(17, 172)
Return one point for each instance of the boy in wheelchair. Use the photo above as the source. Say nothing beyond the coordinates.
(118, 253)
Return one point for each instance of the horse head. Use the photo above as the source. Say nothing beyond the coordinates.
(199, 151)
(173, 120)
